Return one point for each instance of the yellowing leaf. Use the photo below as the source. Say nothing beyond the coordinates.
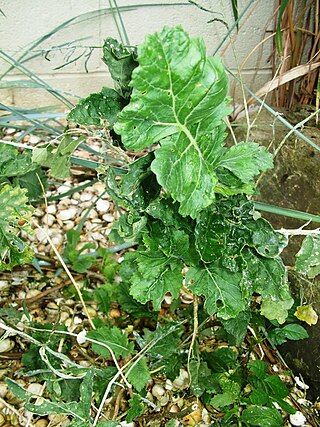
(307, 314)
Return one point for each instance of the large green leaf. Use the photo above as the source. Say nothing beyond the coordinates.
(97, 109)
(15, 215)
(156, 276)
(179, 100)
(308, 257)
(220, 287)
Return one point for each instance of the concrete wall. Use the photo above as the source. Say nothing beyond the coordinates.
(27, 21)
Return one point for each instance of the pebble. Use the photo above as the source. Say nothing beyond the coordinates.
(68, 225)
(102, 205)
(97, 236)
(35, 388)
(4, 284)
(67, 213)
(93, 214)
(41, 235)
(57, 239)
(48, 219)
(52, 209)
(6, 345)
(297, 419)
(10, 131)
(32, 293)
(63, 189)
(33, 139)
(3, 389)
(74, 202)
(41, 423)
(85, 197)
(108, 217)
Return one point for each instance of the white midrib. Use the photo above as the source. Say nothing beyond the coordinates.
(181, 126)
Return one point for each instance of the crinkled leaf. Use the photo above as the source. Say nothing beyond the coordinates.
(221, 360)
(131, 305)
(258, 368)
(138, 186)
(268, 278)
(231, 392)
(308, 257)
(103, 297)
(13, 163)
(136, 408)
(237, 327)
(180, 103)
(58, 159)
(262, 416)
(246, 160)
(201, 378)
(156, 276)
(97, 109)
(112, 337)
(121, 61)
(307, 314)
(139, 375)
(274, 309)
(289, 332)
(165, 341)
(86, 390)
(15, 216)
(220, 287)
(34, 182)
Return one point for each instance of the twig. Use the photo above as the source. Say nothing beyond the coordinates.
(41, 295)
(194, 332)
(69, 274)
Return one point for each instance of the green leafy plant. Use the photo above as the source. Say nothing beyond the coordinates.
(186, 207)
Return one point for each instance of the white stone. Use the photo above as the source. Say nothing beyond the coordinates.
(4, 284)
(63, 189)
(301, 384)
(81, 337)
(10, 131)
(48, 220)
(97, 236)
(297, 419)
(68, 225)
(57, 239)
(41, 235)
(33, 293)
(33, 139)
(74, 202)
(85, 196)
(67, 213)
(108, 217)
(35, 388)
(52, 209)
(6, 345)
(93, 214)
(102, 205)
(3, 389)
